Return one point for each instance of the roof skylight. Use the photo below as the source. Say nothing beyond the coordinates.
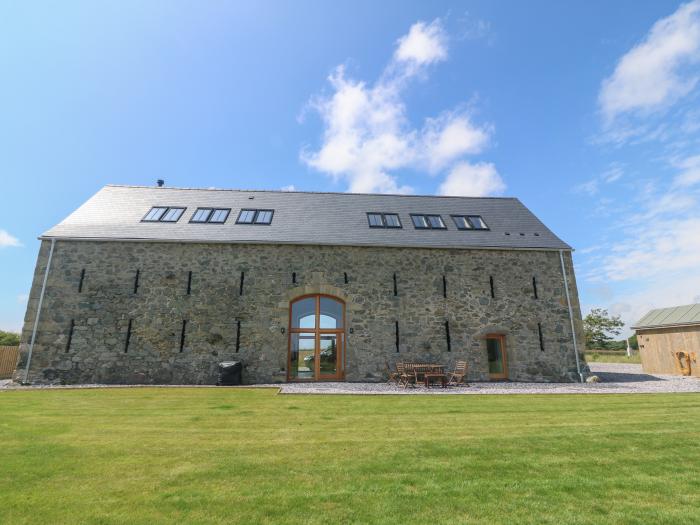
(164, 214)
(211, 215)
(383, 220)
(428, 222)
(469, 222)
(255, 217)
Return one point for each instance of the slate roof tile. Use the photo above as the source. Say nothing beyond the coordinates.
(115, 212)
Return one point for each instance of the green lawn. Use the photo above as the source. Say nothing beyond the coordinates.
(594, 357)
(159, 455)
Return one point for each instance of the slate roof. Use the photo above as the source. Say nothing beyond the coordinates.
(674, 316)
(115, 213)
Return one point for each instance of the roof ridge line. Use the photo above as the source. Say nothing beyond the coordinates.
(673, 307)
(308, 192)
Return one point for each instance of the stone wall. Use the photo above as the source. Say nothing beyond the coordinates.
(101, 311)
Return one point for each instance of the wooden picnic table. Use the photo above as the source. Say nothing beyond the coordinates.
(429, 376)
(424, 371)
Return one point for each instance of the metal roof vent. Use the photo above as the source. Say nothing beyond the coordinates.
(160, 183)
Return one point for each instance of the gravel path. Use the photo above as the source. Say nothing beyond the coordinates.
(615, 379)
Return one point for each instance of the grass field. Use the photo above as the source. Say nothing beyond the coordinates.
(593, 357)
(160, 455)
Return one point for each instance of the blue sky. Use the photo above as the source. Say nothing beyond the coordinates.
(586, 111)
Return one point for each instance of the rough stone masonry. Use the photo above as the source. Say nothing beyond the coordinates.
(113, 311)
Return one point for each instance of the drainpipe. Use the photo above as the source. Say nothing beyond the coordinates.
(38, 311)
(571, 314)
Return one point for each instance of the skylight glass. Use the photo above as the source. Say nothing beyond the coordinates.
(172, 215)
(477, 222)
(392, 220)
(263, 217)
(383, 220)
(211, 215)
(246, 216)
(201, 215)
(219, 215)
(255, 217)
(435, 221)
(375, 220)
(155, 214)
(419, 221)
(163, 214)
(461, 222)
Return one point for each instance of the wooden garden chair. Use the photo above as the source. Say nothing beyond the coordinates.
(393, 374)
(458, 374)
(405, 377)
(412, 370)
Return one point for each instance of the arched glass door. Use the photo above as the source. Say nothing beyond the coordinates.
(316, 338)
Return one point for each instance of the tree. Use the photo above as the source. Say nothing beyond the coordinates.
(600, 327)
(8, 339)
(633, 342)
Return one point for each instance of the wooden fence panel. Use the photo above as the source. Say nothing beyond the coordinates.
(8, 361)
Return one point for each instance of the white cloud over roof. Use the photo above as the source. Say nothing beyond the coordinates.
(367, 136)
(653, 74)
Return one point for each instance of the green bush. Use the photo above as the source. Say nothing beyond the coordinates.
(9, 339)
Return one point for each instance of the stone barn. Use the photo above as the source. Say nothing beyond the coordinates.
(669, 340)
(158, 285)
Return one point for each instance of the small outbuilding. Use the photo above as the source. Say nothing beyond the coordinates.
(669, 340)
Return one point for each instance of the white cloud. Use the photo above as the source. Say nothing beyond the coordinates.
(590, 249)
(655, 234)
(673, 290)
(612, 174)
(655, 205)
(473, 28)
(367, 135)
(654, 258)
(661, 247)
(7, 240)
(690, 172)
(424, 44)
(22, 298)
(652, 74)
(289, 187)
(654, 266)
(472, 180)
(451, 136)
(592, 186)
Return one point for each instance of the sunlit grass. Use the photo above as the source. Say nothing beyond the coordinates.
(166, 455)
(594, 357)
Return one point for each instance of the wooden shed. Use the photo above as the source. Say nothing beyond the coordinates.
(669, 340)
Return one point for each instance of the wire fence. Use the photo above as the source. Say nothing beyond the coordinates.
(8, 361)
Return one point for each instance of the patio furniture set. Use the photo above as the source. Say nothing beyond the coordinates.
(414, 374)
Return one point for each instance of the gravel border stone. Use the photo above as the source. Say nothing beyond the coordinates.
(615, 378)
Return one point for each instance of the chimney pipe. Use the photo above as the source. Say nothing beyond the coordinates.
(160, 183)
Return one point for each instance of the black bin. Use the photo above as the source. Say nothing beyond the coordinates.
(230, 373)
